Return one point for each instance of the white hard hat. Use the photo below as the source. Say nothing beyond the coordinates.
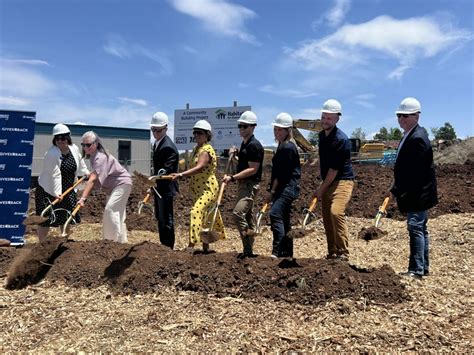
(283, 120)
(248, 117)
(409, 105)
(60, 129)
(159, 119)
(332, 106)
(203, 124)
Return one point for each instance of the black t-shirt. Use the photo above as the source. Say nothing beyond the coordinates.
(335, 153)
(286, 167)
(251, 151)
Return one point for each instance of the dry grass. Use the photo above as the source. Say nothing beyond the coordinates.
(439, 318)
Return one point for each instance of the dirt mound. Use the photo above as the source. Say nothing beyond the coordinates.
(147, 267)
(6, 257)
(458, 153)
(33, 263)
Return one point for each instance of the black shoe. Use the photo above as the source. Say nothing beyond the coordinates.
(411, 275)
(426, 273)
(246, 255)
(288, 263)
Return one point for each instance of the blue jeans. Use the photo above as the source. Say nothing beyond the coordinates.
(419, 262)
(280, 221)
(164, 216)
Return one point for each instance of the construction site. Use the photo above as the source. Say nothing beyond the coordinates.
(87, 294)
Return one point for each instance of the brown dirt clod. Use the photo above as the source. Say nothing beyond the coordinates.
(371, 233)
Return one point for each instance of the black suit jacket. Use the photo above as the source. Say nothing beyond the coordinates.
(415, 179)
(165, 156)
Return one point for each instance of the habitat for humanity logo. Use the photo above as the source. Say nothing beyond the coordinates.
(220, 114)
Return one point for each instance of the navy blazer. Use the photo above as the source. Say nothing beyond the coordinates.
(415, 179)
(166, 156)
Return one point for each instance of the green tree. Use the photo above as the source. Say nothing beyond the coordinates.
(358, 133)
(313, 138)
(446, 132)
(395, 134)
(382, 134)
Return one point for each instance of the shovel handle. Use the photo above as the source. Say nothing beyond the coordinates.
(73, 214)
(221, 193)
(75, 210)
(383, 208)
(264, 208)
(146, 198)
(68, 191)
(313, 204)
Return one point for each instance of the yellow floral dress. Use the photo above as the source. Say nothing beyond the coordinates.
(204, 188)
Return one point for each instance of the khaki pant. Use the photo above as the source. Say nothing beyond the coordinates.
(333, 205)
(243, 212)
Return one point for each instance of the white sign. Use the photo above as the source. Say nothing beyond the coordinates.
(223, 120)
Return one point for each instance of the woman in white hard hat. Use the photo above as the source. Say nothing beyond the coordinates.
(114, 180)
(203, 185)
(284, 186)
(61, 165)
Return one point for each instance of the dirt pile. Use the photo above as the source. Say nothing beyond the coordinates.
(33, 263)
(458, 153)
(146, 267)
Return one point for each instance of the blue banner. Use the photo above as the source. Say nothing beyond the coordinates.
(16, 153)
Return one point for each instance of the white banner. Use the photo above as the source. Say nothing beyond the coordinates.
(223, 121)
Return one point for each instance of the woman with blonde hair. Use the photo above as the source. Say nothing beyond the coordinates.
(203, 185)
(114, 180)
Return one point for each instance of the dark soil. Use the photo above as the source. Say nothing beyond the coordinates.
(6, 257)
(371, 233)
(147, 267)
(33, 263)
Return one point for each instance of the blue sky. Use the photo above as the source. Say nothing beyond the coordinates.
(116, 62)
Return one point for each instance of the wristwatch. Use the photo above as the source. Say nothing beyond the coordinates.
(232, 178)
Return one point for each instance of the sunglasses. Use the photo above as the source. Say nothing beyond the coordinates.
(157, 130)
(243, 126)
(86, 145)
(61, 137)
(404, 115)
(198, 133)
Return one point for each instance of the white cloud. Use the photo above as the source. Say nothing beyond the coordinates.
(405, 41)
(364, 100)
(336, 15)
(121, 116)
(28, 61)
(219, 16)
(13, 101)
(17, 80)
(293, 93)
(118, 47)
(243, 85)
(139, 102)
(190, 49)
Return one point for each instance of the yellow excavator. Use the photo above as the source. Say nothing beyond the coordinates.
(367, 151)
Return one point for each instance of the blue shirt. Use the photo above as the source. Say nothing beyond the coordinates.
(335, 153)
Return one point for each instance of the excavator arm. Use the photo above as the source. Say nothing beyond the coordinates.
(301, 141)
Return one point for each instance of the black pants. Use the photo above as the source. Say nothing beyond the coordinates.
(165, 218)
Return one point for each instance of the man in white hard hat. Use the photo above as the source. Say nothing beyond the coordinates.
(338, 180)
(414, 184)
(248, 176)
(165, 156)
